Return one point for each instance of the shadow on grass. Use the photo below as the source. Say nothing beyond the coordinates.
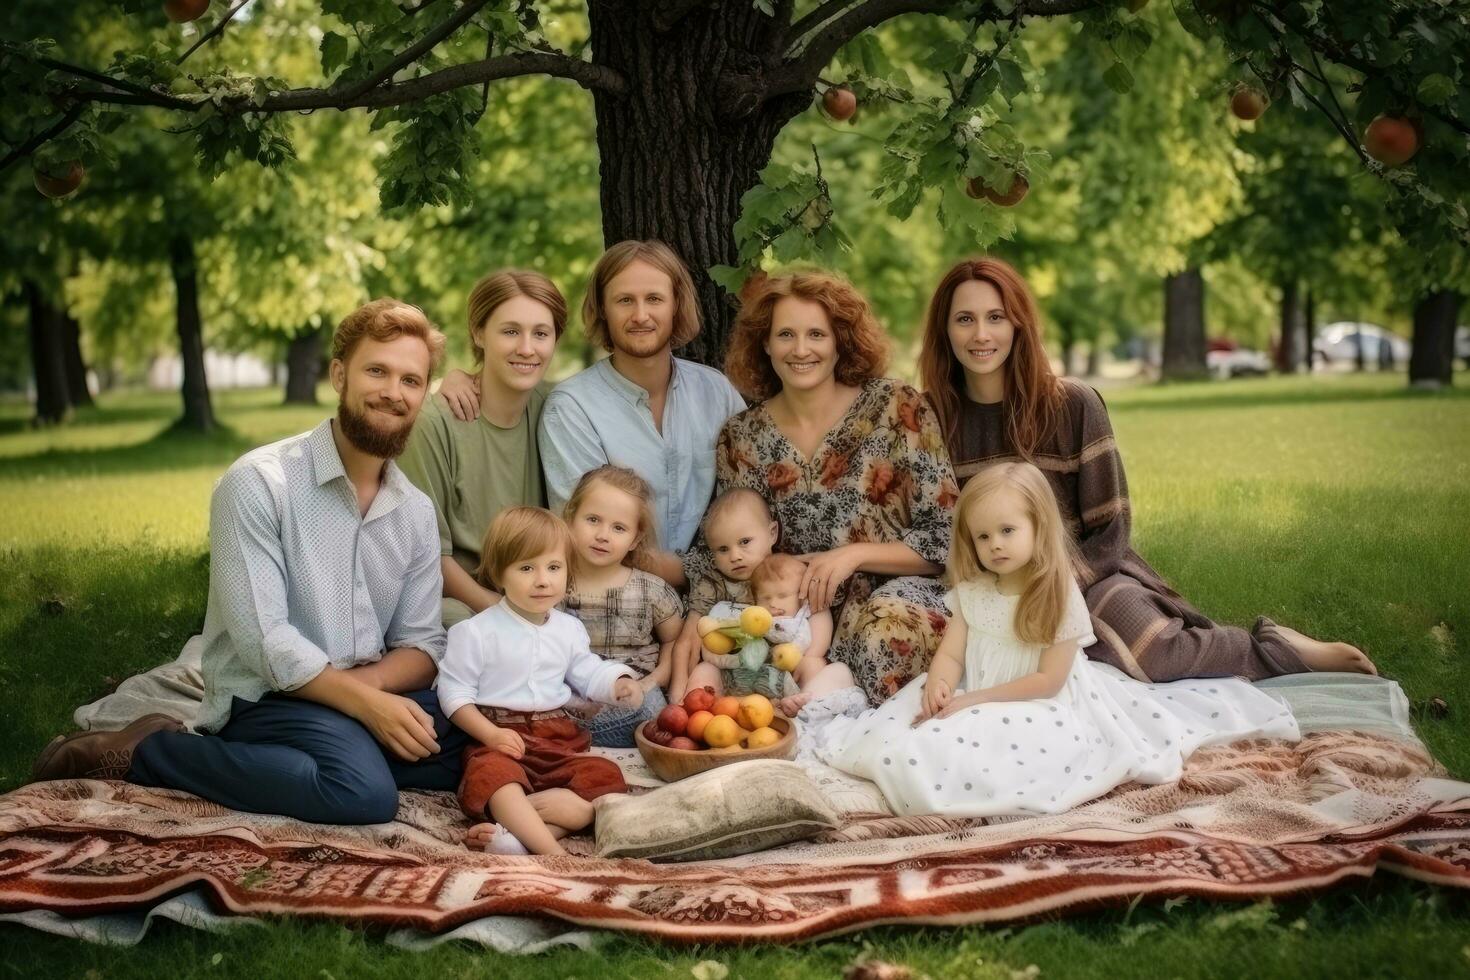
(78, 623)
(1238, 393)
(171, 449)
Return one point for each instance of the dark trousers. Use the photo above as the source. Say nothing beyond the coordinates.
(299, 759)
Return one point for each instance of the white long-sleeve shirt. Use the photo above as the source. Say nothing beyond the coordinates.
(498, 659)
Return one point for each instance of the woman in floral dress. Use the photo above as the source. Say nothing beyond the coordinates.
(854, 469)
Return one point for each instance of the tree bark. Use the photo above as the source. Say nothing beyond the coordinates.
(198, 412)
(1184, 326)
(1094, 358)
(678, 149)
(1292, 330)
(303, 367)
(1310, 322)
(48, 358)
(1432, 359)
(76, 367)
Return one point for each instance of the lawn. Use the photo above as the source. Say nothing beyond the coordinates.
(1337, 505)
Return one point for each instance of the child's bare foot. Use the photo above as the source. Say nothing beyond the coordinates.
(494, 839)
(1322, 655)
(791, 707)
(562, 808)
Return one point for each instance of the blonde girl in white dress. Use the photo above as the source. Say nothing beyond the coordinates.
(1012, 718)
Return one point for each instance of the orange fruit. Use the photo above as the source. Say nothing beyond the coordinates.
(697, 721)
(762, 737)
(721, 731)
(756, 711)
(728, 706)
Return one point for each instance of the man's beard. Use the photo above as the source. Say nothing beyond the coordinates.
(643, 345)
(372, 438)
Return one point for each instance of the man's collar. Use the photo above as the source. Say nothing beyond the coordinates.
(630, 391)
(326, 462)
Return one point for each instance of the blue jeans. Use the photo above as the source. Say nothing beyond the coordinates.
(298, 759)
(612, 728)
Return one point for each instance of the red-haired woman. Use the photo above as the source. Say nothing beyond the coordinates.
(996, 398)
(853, 467)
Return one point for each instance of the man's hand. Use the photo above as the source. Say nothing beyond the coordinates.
(628, 692)
(399, 725)
(507, 741)
(462, 393)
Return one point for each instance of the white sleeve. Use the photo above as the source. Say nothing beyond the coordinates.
(587, 673)
(459, 672)
(1076, 621)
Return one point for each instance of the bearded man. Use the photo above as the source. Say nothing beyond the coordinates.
(322, 633)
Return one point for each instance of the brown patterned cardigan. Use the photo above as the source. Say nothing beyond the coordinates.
(1144, 627)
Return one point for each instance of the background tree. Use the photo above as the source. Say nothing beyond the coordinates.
(690, 97)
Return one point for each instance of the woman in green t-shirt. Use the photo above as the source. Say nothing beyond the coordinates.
(472, 470)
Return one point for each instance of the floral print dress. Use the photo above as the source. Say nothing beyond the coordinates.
(881, 475)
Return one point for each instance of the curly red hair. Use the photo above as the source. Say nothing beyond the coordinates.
(862, 347)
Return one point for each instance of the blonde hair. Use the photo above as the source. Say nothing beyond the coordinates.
(730, 501)
(1044, 599)
(661, 257)
(624, 479)
(775, 570)
(493, 290)
(385, 320)
(519, 533)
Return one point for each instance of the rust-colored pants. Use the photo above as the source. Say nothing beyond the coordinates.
(553, 760)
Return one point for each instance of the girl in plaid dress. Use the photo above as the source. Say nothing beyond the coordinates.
(631, 616)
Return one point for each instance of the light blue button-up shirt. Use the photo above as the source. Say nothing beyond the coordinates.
(299, 578)
(597, 416)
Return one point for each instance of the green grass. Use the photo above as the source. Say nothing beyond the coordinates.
(1337, 505)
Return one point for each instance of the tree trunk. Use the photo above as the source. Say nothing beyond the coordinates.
(48, 358)
(1184, 326)
(1310, 323)
(1094, 358)
(679, 149)
(1069, 356)
(1293, 329)
(1432, 359)
(76, 367)
(303, 367)
(198, 412)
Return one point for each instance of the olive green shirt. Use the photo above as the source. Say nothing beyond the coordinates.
(473, 470)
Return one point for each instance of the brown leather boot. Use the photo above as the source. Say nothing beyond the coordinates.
(98, 755)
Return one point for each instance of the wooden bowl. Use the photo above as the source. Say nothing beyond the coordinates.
(672, 765)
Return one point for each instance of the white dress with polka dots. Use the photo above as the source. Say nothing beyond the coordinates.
(1043, 756)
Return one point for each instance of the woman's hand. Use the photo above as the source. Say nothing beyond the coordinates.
(462, 393)
(825, 573)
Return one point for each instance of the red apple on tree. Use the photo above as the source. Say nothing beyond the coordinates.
(1248, 102)
(1392, 140)
(180, 11)
(977, 188)
(839, 103)
(58, 180)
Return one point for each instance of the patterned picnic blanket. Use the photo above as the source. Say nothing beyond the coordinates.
(1250, 820)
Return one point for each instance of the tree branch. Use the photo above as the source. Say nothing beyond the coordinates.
(29, 146)
(824, 12)
(213, 32)
(418, 49)
(122, 84)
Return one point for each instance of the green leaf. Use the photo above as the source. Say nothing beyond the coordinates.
(1436, 89)
(1119, 78)
(765, 7)
(334, 52)
(1012, 79)
(729, 277)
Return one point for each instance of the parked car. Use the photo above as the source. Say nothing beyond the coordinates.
(1337, 344)
(1227, 359)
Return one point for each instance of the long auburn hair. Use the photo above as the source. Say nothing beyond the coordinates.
(1033, 394)
(1044, 599)
(624, 479)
